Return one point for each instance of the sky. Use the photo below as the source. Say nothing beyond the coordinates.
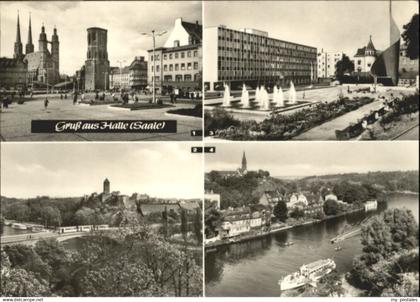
(334, 26)
(299, 159)
(123, 20)
(167, 170)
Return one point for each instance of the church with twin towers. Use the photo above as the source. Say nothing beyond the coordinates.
(42, 66)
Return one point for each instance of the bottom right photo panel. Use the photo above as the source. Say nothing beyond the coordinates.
(308, 219)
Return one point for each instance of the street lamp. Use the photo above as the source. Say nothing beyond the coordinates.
(153, 34)
(120, 62)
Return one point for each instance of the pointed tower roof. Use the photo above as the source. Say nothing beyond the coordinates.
(244, 163)
(30, 31)
(370, 46)
(18, 30)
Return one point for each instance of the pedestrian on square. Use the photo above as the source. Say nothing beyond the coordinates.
(75, 98)
(61, 96)
(65, 96)
(46, 103)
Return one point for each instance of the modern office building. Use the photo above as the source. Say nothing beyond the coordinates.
(250, 56)
(178, 64)
(326, 63)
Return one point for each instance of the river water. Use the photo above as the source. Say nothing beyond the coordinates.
(253, 268)
(8, 230)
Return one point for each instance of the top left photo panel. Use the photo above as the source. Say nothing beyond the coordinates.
(101, 71)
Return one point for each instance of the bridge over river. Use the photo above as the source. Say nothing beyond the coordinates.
(31, 238)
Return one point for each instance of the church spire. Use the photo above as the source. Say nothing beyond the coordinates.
(29, 45)
(244, 164)
(18, 44)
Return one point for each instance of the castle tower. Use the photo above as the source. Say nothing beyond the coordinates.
(18, 54)
(97, 64)
(42, 42)
(55, 54)
(29, 48)
(244, 168)
(107, 186)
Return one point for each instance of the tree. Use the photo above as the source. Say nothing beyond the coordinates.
(51, 216)
(297, 213)
(390, 254)
(411, 37)
(84, 216)
(184, 224)
(331, 207)
(198, 225)
(393, 231)
(1, 224)
(213, 220)
(120, 278)
(345, 65)
(280, 211)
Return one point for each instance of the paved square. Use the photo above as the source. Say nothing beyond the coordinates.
(15, 122)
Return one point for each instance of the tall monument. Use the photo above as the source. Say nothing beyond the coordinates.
(97, 64)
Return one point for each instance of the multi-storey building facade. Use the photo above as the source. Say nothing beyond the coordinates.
(327, 62)
(178, 65)
(249, 56)
(138, 73)
(119, 78)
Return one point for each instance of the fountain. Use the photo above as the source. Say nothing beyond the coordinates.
(257, 95)
(292, 94)
(264, 101)
(278, 97)
(245, 97)
(226, 96)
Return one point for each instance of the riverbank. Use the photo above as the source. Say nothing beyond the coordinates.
(210, 246)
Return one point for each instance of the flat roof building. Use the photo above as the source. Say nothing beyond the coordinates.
(249, 56)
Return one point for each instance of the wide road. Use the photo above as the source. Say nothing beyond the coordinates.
(15, 122)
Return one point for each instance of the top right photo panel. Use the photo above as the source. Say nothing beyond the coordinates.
(311, 70)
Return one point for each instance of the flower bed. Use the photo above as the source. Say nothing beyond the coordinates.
(283, 127)
(142, 106)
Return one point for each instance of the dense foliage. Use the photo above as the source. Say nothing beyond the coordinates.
(411, 37)
(131, 262)
(389, 265)
(280, 211)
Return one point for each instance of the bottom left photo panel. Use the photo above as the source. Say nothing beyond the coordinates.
(101, 220)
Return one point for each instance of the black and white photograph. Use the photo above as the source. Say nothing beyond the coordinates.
(209, 150)
(312, 220)
(311, 70)
(128, 223)
(110, 60)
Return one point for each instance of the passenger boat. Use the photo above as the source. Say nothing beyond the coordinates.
(307, 274)
(19, 226)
